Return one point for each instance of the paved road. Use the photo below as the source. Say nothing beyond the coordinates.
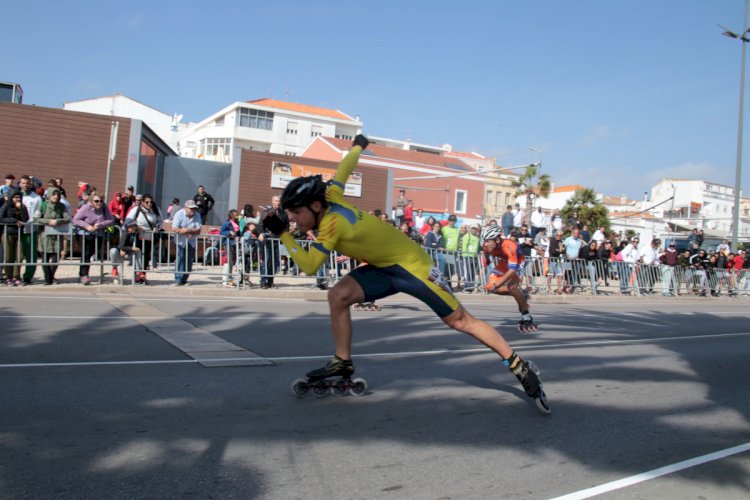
(98, 401)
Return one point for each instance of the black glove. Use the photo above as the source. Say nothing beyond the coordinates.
(275, 224)
(361, 140)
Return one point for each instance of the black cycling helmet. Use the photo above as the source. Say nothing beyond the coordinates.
(302, 191)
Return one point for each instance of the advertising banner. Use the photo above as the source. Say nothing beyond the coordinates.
(282, 173)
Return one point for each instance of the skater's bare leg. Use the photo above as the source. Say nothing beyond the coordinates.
(340, 298)
(463, 321)
(512, 289)
(515, 291)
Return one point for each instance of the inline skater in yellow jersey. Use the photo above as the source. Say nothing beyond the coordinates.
(395, 264)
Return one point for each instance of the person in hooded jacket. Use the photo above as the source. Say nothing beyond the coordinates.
(117, 208)
(13, 217)
(51, 213)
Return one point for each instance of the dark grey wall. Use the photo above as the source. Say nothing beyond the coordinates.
(182, 176)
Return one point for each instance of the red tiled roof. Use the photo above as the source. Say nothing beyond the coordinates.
(616, 200)
(641, 215)
(461, 154)
(405, 156)
(301, 108)
(562, 189)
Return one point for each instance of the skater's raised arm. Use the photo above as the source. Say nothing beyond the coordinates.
(346, 167)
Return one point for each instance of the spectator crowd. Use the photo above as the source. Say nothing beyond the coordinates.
(560, 255)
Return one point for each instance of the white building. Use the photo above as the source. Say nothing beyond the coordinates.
(697, 203)
(265, 125)
(558, 196)
(167, 127)
(410, 146)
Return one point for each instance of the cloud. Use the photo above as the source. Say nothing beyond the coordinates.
(615, 180)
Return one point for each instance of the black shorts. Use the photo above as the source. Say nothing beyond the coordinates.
(432, 289)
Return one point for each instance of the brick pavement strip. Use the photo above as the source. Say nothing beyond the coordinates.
(205, 347)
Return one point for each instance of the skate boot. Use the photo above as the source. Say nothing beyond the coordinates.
(335, 377)
(528, 374)
(527, 324)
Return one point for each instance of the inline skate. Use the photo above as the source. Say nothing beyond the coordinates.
(335, 378)
(528, 374)
(527, 324)
(366, 306)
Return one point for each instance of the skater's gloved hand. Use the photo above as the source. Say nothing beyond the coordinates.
(275, 224)
(361, 141)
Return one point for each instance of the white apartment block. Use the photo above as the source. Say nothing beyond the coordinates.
(266, 125)
(167, 127)
(697, 203)
(410, 146)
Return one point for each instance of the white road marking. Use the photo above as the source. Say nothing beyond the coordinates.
(662, 471)
(433, 352)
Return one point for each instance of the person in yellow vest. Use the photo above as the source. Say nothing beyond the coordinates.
(469, 252)
(451, 236)
(395, 264)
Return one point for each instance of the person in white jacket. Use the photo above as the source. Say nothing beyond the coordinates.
(630, 257)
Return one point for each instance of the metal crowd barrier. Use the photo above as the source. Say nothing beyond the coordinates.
(251, 261)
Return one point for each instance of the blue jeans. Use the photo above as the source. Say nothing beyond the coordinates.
(626, 269)
(184, 263)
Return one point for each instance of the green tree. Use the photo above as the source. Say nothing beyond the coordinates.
(590, 211)
(532, 185)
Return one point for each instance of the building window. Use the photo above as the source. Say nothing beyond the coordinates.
(255, 118)
(460, 205)
(346, 137)
(488, 199)
(219, 122)
(316, 131)
(290, 153)
(507, 199)
(215, 149)
(291, 128)
(499, 200)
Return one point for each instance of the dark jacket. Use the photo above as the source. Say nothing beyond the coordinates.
(555, 247)
(126, 241)
(261, 229)
(205, 203)
(433, 241)
(228, 234)
(603, 253)
(587, 253)
(10, 215)
(669, 258)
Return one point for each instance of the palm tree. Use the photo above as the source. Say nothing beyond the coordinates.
(532, 185)
(590, 210)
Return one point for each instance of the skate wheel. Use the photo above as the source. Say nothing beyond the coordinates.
(299, 387)
(520, 328)
(339, 388)
(320, 389)
(358, 387)
(541, 403)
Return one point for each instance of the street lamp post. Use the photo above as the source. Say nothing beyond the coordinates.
(738, 168)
